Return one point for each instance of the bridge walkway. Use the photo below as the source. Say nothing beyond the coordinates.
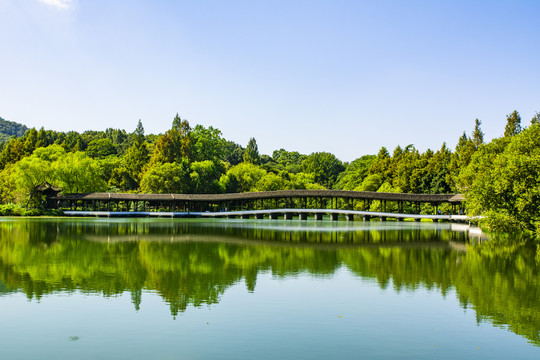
(286, 214)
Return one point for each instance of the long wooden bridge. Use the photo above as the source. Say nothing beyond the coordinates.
(273, 204)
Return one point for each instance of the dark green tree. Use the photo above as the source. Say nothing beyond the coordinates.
(251, 154)
(513, 124)
(535, 119)
(325, 167)
(478, 135)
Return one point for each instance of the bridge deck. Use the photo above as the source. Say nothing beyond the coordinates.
(267, 212)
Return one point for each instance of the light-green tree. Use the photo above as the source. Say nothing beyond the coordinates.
(167, 178)
(205, 175)
(243, 176)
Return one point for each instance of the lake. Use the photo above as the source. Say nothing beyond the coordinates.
(264, 289)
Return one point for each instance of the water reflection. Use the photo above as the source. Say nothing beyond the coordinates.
(190, 263)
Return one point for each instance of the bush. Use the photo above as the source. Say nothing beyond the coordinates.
(11, 210)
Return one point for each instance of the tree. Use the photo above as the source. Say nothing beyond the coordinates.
(77, 173)
(207, 143)
(135, 159)
(205, 177)
(175, 144)
(478, 135)
(371, 183)
(271, 182)
(535, 119)
(324, 166)
(503, 181)
(233, 153)
(243, 176)
(100, 148)
(139, 133)
(355, 173)
(382, 165)
(513, 124)
(251, 154)
(168, 178)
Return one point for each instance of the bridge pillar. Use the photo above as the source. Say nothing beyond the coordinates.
(318, 216)
(245, 216)
(333, 217)
(259, 216)
(399, 219)
(382, 218)
(350, 217)
(366, 218)
(287, 216)
(417, 219)
(302, 216)
(272, 216)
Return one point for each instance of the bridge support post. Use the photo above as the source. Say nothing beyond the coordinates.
(350, 217)
(245, 216)
(259, 216)
(366, 218)
(417, 219)
(302, 216)
(272, 216)
(399, 219)
(333, 217)
(382, 218)
(287, 216)
(318, 216)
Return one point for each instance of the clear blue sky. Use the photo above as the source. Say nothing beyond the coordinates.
(345, 77)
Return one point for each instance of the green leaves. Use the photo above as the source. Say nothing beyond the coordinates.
(503, 181)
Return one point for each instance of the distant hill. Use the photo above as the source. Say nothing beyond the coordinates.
(9, 129)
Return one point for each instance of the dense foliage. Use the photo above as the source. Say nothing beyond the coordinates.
(500, 179)
(9, 129)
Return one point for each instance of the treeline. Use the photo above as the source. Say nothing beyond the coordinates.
(8, 129)
(500, 179)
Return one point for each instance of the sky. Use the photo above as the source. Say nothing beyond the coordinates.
(345, 77)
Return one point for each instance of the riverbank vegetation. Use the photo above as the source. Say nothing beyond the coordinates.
(500, 179)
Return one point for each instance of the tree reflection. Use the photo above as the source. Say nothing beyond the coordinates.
(193, 263)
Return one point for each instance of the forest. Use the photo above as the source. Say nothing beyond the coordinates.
(500, 179)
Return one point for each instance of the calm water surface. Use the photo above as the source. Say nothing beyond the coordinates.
(239, 289)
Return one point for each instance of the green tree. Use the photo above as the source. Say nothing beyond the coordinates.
(167, 178)
(535, 119)
(504, 179)
(135, 160)
(478, 135)
(354, 173)
(175, 144)
(251, 154)
(233, 153)
(271, 182)
(78, 173)
(207, 143)
(243, 176)
(370, 183)
(513, 124)
(324, 166)
(205, 177)
(100, 148)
